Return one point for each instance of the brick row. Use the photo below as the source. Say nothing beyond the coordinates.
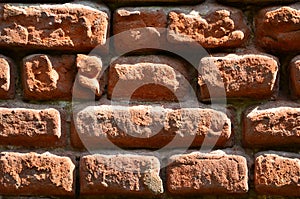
(149, 127)
(147, 27)
(36, 174)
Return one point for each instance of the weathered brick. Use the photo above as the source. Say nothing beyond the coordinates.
(76, 27)
(138, 28)
(120, 174)
(143, 2)
(209, 25)
(7, 78)
(211, 173)
(91, 77)
(294, 69)
(238, 76)
(31, 127)
(277, 28)
(47, 77)
(272, 124)
(277, 173)
(149, 127)
(36, 174)
(149, 78)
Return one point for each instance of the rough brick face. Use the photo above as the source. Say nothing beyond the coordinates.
(272, 124)
(91, 77)
(76, 27)
(47, 77)
(7, 78)
(214, 173)
(277, 173)
(36, 174)
(238, 76)
(210, 25)
(149, 126)
(277, 28)
(30, 127)
(145, 28)
(149, 78)
(294, 68)
(120, 174)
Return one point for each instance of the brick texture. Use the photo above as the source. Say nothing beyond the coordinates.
(47, 77)
(36, 174)
(149, 126)
(277, 173)
(238, 76)
(30, 127)
(214, 173)
(139, 27)
(210, 25)
(149, 78)
(272, 124)
(7, 78)
(277, 28)
(120, 174)
(76, 27)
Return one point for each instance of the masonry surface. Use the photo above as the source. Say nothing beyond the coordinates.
(150, 99)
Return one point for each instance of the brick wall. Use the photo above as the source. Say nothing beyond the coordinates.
(153, 98)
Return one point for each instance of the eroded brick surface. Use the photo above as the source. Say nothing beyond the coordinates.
(277, 28)
(149, 78)
(30, 127)
(36, 174)
(120, 174)
(277, 173)
(208, 25)
(272, 124)
(76, 27)
(91, 77)
(238, 76)
(7, 78)
(47, 77)
(137, 28)
(213, 173)
(149, 127)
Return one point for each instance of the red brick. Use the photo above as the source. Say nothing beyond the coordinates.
(210, 25)
(76, 27)
(36, 174)
(149, 127)
(149, 78)
(91, 77)
(31, 127)
(120, 174)
(277, 28)
(47, 77)
(7, 78)
(238, 76)
(272, 124)
(145, 28)
(294, 69)
(207, 173)
(277, 173)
